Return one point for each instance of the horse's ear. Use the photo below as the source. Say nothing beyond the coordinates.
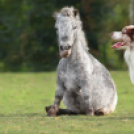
(56, 15)
(76, 12)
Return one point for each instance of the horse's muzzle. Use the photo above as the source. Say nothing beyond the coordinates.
(65, 53)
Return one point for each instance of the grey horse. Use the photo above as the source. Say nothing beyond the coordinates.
(83, 83)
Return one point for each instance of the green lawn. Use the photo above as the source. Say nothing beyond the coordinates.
(24, 95)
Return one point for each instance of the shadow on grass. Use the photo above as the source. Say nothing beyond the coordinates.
(77, 117)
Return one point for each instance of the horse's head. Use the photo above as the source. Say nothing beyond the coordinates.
(67, 22)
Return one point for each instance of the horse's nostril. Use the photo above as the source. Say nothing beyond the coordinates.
(65, 47)
(61, 47)
(69, 47)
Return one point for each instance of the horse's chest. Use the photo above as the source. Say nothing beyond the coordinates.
(70, 80)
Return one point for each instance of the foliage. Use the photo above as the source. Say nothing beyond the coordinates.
(28, 39)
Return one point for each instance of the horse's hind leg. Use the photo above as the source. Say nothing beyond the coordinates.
(99, 112)
(108, 109)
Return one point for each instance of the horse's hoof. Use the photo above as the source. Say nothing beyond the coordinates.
(51, 110)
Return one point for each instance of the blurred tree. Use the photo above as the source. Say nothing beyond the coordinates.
(131, 11)
(28, 39)
(116, 19)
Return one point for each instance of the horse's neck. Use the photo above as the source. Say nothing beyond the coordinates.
(80, 58)
(78, 53)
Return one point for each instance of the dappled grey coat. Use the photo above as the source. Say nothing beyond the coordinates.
(82, 81)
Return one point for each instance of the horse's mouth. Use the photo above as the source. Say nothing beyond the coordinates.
(65, 53)
(118, 45)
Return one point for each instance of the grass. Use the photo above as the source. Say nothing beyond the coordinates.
(24, 95)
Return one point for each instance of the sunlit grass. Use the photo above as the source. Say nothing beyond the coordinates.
(24, 95)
